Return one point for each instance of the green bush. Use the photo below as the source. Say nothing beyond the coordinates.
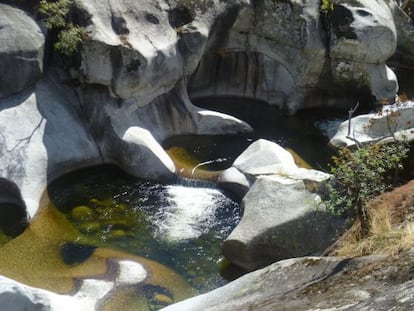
(69, 40)
(55, 16)
(54, 13)
(360, 175)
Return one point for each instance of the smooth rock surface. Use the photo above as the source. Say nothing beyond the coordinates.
(279, 221)
(315, 283)
(393, 120)
(21, 51)
(264, 157)
(41, 137)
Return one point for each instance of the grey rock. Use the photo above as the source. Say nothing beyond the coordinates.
(274, 53)
(41, 137)
(362, 38)
(268, 57)
(315, 283)
(21, 50)
(279, 221)
(235, 181)
(391, 121)
(264, 157)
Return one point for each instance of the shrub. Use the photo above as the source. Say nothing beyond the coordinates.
(54, 16)
(361, 174)
(69, 40)
(54, 13)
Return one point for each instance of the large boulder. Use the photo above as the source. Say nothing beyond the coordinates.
(273, 53)
(284, 53)
(134, 92)
(279, 221)
(145, 49)
(282, 214)
(266, 158)
(390, 123)
(362, 37)
(21, 50)
(310, 283)
(41, 137)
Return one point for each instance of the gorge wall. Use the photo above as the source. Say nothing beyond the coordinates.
(140, 65)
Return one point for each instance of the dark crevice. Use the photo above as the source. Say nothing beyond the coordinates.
(13, 216)
(180, 16)
(119, 25)
(152, 19)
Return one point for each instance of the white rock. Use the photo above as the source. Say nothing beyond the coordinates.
(130, 272)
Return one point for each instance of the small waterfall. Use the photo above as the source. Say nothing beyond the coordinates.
(219, 160)
(189, 212)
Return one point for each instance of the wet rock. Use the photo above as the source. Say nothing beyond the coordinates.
(90, 227)
(13, 215)
(74, 253)
(81, 213)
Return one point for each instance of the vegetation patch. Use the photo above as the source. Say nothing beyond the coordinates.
(55, 16)
(391, 229)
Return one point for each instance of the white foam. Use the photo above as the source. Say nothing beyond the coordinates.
(190, 212)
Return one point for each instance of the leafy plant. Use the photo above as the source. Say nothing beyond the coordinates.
(55, 17)
(361, 174)
(54, 13)
(69, 40)
(326, 6)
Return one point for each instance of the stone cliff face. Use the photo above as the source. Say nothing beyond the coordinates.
(142, 64)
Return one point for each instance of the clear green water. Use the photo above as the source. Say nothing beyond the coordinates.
(177, 225)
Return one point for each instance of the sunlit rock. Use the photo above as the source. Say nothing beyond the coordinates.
(279, 221)
(264, 157)
(390, 123)
(315, 283)
(281, 216)
(235, 180)
(362, 38)
(21, 51)
(41, 137)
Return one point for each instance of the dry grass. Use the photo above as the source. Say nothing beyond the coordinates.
(391, 226)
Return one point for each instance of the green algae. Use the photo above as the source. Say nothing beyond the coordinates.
(81, 213)
(35, 258)
(108, 214)
(4, 238)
